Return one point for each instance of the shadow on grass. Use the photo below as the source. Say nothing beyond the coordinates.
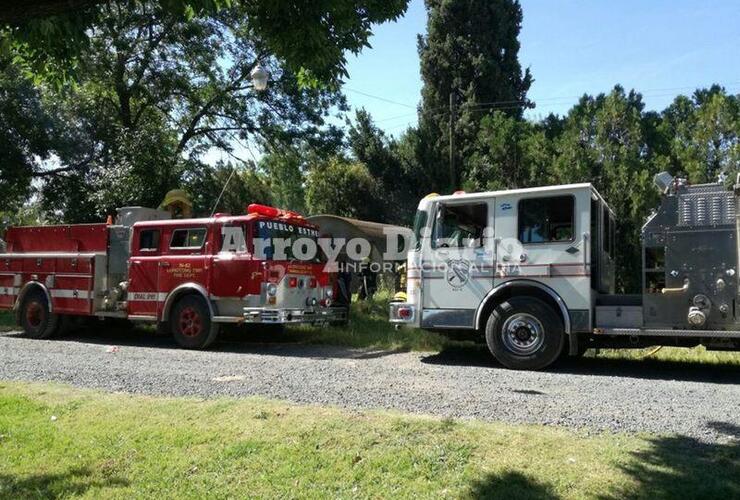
(670, 467)
(74, 482)
(651, 369)
(683, 467)
(510, 485)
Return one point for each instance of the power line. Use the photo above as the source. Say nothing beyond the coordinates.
(645, 92)
(381, 98)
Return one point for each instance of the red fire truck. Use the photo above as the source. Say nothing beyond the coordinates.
(188, 276)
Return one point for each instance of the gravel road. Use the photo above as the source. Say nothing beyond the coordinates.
(592, 394)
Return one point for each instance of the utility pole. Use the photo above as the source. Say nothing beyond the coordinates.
(453, 175)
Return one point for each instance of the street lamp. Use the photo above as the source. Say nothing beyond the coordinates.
(259, 77)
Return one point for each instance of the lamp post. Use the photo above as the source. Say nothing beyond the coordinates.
(259, 76)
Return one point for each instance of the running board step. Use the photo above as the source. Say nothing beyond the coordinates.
(667, 333)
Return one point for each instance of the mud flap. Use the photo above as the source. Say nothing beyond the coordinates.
(573, 344)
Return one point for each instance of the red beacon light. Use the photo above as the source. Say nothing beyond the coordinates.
(458, 192)
(264, 210)
(256, 208)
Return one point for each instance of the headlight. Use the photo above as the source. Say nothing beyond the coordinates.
(271, 289)
(330, 293)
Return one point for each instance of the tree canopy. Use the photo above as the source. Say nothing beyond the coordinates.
(312, 37)
(470, 51)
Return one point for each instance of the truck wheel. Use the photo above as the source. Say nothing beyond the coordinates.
(37, 321)
(191, 323)
(524, 333)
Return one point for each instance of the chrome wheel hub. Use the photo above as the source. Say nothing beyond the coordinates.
(522, 334)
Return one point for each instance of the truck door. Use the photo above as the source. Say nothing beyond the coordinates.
(550, 231)
(183, 259)
(458, 272)
(143, 272)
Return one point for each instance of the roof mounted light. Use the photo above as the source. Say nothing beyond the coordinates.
(256, 208)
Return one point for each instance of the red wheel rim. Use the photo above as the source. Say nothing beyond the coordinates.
(34, 315)
(191, 324)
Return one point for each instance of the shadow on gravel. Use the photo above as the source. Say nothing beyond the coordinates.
(684, 467)
(651, 369)
(260, 340)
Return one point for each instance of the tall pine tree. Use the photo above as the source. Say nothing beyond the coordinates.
(470, 51)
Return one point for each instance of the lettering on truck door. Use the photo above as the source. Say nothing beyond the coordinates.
(143, 272)
(458, 263)
(183, 259)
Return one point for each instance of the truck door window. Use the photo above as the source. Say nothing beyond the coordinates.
(149, 240)
(543, 220)
(460, 226)
(188, 238)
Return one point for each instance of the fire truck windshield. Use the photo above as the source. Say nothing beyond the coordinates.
(282, 240)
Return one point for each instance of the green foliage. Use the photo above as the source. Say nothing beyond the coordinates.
(398, 180)
(311, 36)
(25, 134)
(286, 173)
(509, 153)
(703, 134)
(471, 50)
(341, 187)
(157, 93)
(240, 188)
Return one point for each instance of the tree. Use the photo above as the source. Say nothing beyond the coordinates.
(509, 153)
(25, 134)
(370, 146)
(157, 94)
(470, 50)
(311, 36)
(702, 134)
(603, 142)
(285, 171)
(237, 186)
(341, 187)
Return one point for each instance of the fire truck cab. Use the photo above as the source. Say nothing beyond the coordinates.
(188, 276)
(531, 272)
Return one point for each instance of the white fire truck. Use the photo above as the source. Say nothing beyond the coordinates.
(531, 271)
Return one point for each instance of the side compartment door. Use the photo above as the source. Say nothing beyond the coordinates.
(143, 272)
(459, 262)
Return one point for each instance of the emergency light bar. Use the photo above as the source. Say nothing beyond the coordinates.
(256, 208)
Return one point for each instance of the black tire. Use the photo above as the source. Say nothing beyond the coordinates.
(37, 321)
(191, 323)
(524, 333)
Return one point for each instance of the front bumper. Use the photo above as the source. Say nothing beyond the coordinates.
(402, 313)
(285, 316)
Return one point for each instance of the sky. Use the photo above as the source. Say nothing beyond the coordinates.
(660, 48)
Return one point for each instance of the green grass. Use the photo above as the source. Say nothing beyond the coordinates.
(369, 328)
(7, 321)
(119, 446)
(696, 355)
